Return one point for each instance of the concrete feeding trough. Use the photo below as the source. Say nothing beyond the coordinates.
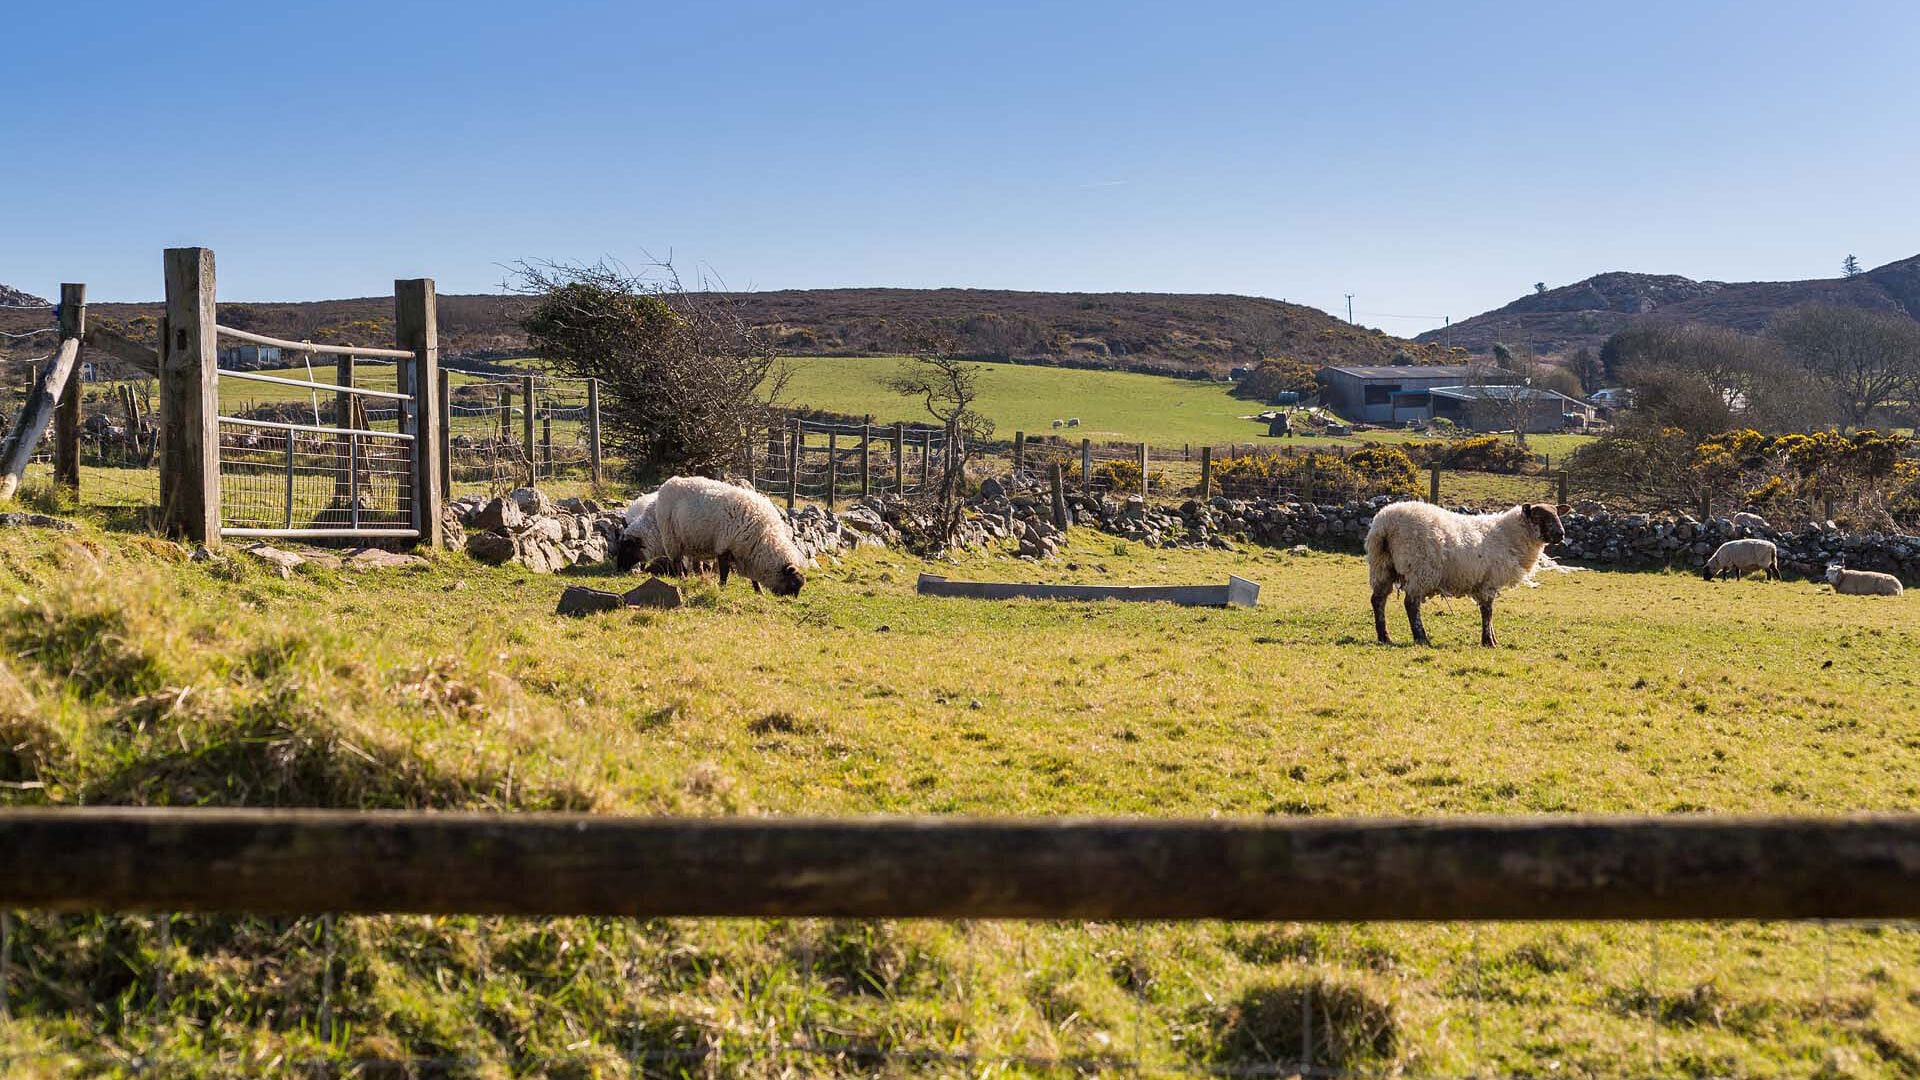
(1237, 592)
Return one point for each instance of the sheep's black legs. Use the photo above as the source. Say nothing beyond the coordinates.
(726, 567)
(1486, 623)
(1380, 616)
(1413, 619)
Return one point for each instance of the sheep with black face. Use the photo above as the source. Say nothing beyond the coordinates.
(1425, 550)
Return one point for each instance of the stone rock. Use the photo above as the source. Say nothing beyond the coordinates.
(580, 600)
(453, 534)
(372, 558)
(497, 515)
(532, 501)
(18, 520)
(491, 548)
(653, 593)
(280, 562)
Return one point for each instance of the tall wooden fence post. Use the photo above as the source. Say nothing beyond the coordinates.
(866, 458)
(190, 401)
(833, 464)
(416, 328)
(526, 431)
(1057, 481)
(1143, 470)
(1560, 487)
(593, 431)
(899, 458)
(344, 458)
(1433, 483)
(1206, 473)
(1019, 455)
(1086, 466)
(793, 465)
(66, 415)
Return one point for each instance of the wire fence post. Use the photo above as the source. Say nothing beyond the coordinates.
(794, 438)
(1206, 473)
(1143, 470)
(1086, 466)
(899, 458)
(190, 401)
(1019, 455)
(1056, 481)
(866, 457)
(833, 464)
(1560, 487)
(1433, 483)
(66, 414)
(593, 431)
(526, 431)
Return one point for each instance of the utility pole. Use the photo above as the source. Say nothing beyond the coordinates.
(1449, 330)
(1349, 309)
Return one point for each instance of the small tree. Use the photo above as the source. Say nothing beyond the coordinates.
(1506, 391)
(1539, 287)
(947, 387)
(685, 381)
(1850, 266)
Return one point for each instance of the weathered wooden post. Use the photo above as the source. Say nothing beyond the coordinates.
(1206, 473)
(343, 448)
(793, 465)
(416, 328)
(444, 404)
(593, 431)
(1019, 455)
(1826, 507)
(1706, 504)
(1086, 466)
(1058, 482)
(1433, 483)
(1560, 488)
(66, 415)
(506, 413)
(526, 431)
(866, 457)
(926, 459)
(190, 401)
(899, 458)
(833, 463)
(1143, 470)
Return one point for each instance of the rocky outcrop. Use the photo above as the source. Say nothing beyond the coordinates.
(526, 527)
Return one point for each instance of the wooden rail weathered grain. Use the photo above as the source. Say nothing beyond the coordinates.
(30, 425)
(299, 862)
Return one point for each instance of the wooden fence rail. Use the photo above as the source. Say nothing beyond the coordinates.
(299, 862)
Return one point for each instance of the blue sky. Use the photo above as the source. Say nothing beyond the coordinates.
(1432, 159)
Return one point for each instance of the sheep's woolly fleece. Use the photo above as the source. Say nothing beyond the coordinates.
(699, 519)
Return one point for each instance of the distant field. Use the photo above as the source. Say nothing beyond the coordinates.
(1110, 404)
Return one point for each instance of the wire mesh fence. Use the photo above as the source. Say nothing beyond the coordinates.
(833, 462)
(612, 997)
(505, 430)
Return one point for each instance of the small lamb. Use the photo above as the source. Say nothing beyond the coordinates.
(1741, 557)
(1862, 582)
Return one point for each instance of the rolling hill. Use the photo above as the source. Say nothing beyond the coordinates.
(1160, 333)
(1586, 312)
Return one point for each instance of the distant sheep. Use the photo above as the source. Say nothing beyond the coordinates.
(1073, 421)
(1747, 521)
(1862, 582)
(1427, 551)
(1059, 423)
(697, 518)
(1742, 557)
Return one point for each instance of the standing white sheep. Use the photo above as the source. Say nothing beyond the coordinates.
(697, 518)
(1862, 582)
(1428, 551)
(1741, 557)
(640, 539)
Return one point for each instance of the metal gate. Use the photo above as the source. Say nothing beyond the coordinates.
(307, 459)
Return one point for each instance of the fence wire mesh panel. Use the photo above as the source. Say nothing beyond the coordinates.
(837, 462)
(506, 429)
(322, 446)
(473, 996)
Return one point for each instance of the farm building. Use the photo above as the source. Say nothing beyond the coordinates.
(250, 356)
(1388, 394)
(1495, 408)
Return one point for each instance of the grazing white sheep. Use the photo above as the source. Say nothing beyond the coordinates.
(640, 539)
(1742, 557)
(1862, 582)
(1428, 551)
(697, 518)
(1747, 521)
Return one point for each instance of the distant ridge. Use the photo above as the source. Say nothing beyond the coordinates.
(12, 297)
(1587, 312)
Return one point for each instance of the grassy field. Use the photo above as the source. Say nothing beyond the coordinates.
(133, 676)
(1112, 405)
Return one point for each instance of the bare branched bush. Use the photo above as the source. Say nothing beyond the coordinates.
(948, 388)
(685, 380)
